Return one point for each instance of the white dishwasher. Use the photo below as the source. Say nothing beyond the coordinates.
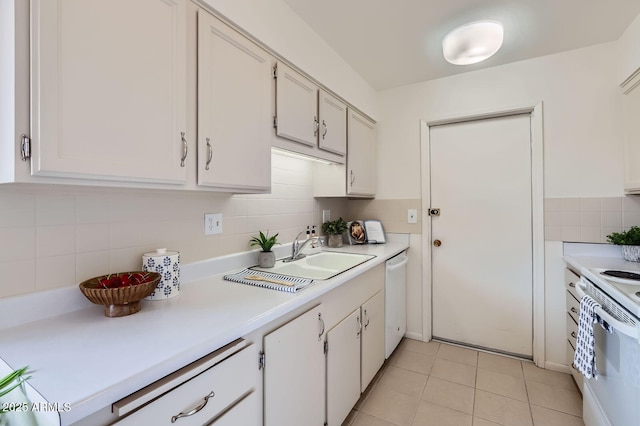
(395, 305)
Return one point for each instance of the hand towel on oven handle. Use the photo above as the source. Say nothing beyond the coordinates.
(585, 356)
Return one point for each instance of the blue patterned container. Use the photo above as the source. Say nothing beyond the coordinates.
(167, 264)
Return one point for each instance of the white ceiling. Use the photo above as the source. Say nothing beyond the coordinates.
(394, 43)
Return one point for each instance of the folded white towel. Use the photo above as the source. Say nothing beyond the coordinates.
(585, 356)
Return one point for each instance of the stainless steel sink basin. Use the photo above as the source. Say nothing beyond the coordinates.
(321, 266)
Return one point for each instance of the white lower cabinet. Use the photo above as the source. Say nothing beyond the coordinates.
(372, 338)
(354, 356)
(343, 367)
(208, 396)
(294, 372)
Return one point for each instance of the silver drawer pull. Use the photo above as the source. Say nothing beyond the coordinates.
(573, 334)
(185, 149)
(195, 410)
(209, 154)
(321, 322)
(574, 310)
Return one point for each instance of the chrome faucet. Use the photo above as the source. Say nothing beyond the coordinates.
(297, 247)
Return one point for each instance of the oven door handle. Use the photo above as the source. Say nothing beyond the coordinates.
(619, 326)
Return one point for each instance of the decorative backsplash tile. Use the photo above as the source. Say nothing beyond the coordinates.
(589, 220)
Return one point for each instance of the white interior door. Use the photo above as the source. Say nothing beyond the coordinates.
(482, 286)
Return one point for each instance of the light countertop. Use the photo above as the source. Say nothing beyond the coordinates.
(89, 361)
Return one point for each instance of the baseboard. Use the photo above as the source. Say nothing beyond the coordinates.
(414, 336)
(554, 366)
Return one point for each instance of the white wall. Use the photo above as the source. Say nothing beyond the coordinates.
(582, 139)
(629, 51)
(277, 26)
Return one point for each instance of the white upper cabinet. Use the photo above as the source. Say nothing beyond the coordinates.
(308, 120)
(361, 161)
(356, 178)
(296, 106)
(109, 89)
(234, 109)
(631, 134)
(333, 124)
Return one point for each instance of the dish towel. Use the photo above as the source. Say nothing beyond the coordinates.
(265, 279)
(584, 359)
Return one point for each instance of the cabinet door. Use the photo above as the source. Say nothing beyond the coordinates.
(333, 124)
(294, 373)
(343, 368)
(631, 134)
(234, 112)
(361, 158)
(372, 338)
(296, 106)
(109, 89)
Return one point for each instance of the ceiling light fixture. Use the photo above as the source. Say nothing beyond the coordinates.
(473, 42)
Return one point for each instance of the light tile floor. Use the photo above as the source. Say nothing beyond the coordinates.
(440, 384)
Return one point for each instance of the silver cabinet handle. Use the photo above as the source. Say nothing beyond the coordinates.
(572, 285)
(209, 154)
(321, 322)
(573, 334)
(316, 125)
(195, 410)
(359, 327)
(326, 129)
(185, 149)
(353, 177)
(574, 310)
(366, 316)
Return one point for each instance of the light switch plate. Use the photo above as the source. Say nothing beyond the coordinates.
(326, 216)
(212, 223)
(412, 216)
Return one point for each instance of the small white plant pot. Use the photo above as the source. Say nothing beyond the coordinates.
(335, 241)
(631, 253)
(266, 259)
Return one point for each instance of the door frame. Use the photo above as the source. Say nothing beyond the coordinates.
(535, 111)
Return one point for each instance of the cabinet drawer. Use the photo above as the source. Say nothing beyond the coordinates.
(570, 280)
(210, 393)
(573, 307)
(572, 330)
(577, 376)
(244, 413)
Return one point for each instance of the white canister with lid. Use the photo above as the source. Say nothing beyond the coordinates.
(167, 264)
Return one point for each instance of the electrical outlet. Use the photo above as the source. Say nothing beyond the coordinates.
(412, 216)
(212, 223)
(326, 216)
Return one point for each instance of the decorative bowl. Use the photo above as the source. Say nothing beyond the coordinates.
(120, 293)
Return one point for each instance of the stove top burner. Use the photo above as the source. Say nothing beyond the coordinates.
(622, 274)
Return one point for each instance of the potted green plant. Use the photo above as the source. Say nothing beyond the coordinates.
(629, 241)
(334, 229)
(266, 258)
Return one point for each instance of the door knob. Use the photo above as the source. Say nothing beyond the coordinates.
(437, 243)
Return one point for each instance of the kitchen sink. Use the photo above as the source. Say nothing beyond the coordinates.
(320, 266)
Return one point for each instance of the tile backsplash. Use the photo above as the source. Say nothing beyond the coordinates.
(55, 236)
(589, 220)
